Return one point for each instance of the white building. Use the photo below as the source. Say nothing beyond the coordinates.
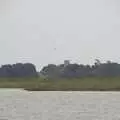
(66, 63)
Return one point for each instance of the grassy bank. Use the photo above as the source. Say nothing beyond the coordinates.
(83, 84)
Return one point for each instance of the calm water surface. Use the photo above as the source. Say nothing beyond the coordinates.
(23, 105)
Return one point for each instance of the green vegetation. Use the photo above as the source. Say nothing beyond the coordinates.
(81, 84)
(107, 69)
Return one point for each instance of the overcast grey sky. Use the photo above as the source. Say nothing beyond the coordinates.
(49, 31)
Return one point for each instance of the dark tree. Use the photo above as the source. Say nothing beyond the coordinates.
(108, 69)
(18, 70)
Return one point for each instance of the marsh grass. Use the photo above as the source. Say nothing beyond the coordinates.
(82, 84)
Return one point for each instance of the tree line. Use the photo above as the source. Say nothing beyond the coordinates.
(107, 69)
(98, 69)
(18, 70)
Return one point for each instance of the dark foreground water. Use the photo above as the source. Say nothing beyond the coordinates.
(23, 105)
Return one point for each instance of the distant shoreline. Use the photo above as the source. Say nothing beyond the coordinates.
(81, 90)
(54, 91)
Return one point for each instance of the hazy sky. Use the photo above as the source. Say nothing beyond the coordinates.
(49, 31)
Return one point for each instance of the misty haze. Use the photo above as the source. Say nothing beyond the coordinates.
(45, 32)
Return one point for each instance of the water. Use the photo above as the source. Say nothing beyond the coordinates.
(23, 105)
